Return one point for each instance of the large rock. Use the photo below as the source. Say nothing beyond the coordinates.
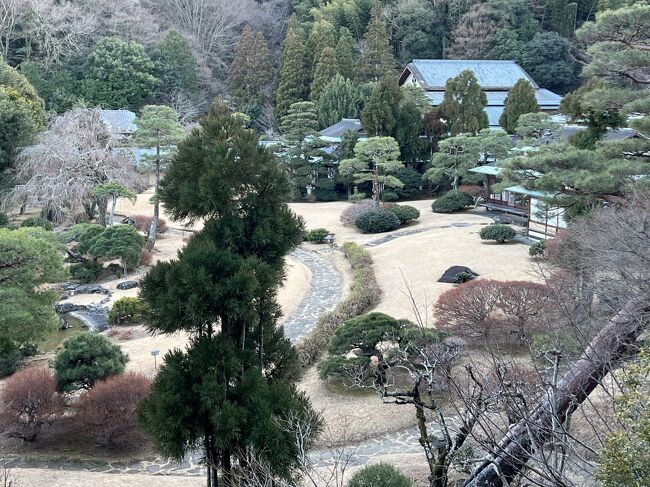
(127, 285)
(450, 274)
(91, 289)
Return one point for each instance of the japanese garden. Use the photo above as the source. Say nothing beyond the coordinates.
(325, 243)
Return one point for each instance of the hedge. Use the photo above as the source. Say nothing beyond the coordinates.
(364, 293)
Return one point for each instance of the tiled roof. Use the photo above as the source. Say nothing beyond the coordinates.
(339, 128)
(491, 75)
(120, 122)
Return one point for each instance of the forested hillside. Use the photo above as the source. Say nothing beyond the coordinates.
(265, 54)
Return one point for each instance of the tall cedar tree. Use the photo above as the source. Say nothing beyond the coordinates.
(463, 104)
(341, 98)
(326, 69)
(251, 71)
(521, 99)
(408, 132)
(230, 391)
(377, 60)
(293, 72)
(321, 35)
(346, 54)
(381, 113)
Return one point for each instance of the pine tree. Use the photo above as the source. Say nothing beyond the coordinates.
(326, 69)
(340, 98)
(232, 388)
(321, 35)
(299, 126)
(251, 71)
(346, 54)
(380, 115)
(377, 60)
(293, 72)
(521, 99)
(463, 104)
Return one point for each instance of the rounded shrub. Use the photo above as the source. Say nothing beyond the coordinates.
(37, 221)
(451, 202)
(357, 197)
(463, 277)
(405, 213)
(383, 475)
(352, 212)
(500, 233)
(537, 249)
(86, 272)
(377, 220)
(317, 235)
(389, 197)
(126, 311)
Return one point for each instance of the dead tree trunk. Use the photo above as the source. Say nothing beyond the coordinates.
(522, 440)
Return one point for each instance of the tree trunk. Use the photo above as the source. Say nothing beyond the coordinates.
(153, 228)
(375, 186)
(111, 215)
(101, 211)
(604, 352)
(125, 270)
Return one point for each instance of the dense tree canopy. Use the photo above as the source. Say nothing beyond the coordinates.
(463, 104)
(119, 74)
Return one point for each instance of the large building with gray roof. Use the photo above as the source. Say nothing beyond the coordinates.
(495, 78)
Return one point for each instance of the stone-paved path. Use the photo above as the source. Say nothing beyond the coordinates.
(325, 291)
(406, 233)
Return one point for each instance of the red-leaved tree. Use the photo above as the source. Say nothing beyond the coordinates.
(501, 310)
(29, 401)
(108, 411)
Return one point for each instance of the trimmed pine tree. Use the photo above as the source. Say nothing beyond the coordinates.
(521, 99)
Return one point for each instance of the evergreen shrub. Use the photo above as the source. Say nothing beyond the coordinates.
(377, 220)
(451, 202)
(405, 213)
(499, 233)
(37, 221)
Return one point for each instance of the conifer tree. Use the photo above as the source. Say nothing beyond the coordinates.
(293, 72)
(380, 115)
(346, 54)
(299, 126)
(377, 60)
(250, 73)
(176, 65)
(326, 69)
(463, 104)
(321, 35)
(340, 98)
(231, 390)
(521, 99)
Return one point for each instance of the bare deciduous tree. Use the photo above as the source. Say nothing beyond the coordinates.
(212, 24)
(70, 158)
